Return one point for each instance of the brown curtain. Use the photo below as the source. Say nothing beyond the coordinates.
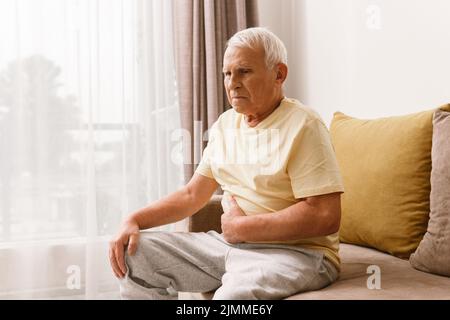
(201, 29)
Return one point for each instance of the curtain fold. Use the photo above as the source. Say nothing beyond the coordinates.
(201, 29)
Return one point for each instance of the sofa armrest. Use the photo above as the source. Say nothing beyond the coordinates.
(207, 218)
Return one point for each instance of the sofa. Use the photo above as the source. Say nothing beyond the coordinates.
(395, 224)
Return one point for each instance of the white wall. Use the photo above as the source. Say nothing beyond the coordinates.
(366, 58)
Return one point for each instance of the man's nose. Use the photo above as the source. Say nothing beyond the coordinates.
(234, 82)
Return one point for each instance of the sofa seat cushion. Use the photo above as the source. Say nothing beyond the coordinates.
(398, 279)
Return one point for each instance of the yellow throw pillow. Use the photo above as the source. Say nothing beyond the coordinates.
(386, 166)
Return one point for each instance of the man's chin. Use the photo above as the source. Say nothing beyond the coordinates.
(239, 108)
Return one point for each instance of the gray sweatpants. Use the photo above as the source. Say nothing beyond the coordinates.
(167, 262)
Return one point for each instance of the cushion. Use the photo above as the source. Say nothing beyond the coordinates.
(398, 281)
(386, 165)
(433, 253)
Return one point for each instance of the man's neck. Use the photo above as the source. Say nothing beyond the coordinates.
(255, 119)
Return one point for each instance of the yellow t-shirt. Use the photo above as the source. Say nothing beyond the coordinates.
(287, 156)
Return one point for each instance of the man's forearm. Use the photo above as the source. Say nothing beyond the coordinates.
(177, 205)
(298, 221)
(172, 208)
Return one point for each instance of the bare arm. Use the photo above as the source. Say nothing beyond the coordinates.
(176, 206)
(310, 217)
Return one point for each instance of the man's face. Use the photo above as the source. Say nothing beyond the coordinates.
(251, 87)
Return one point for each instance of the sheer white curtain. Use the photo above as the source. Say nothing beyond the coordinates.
(88, 116)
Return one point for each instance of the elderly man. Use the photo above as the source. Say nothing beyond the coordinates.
(273, 158)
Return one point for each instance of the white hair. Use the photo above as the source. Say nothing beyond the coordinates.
(274, 49)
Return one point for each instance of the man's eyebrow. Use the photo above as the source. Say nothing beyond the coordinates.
(240, 66)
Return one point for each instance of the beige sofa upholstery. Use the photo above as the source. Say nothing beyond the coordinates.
(398, 279)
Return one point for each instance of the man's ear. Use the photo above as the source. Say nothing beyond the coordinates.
(282, 71)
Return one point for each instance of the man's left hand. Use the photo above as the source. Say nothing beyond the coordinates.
(230, 222)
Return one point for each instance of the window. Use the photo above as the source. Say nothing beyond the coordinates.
(88, 104)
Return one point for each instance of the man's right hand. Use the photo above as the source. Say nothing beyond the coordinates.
(128, 236)
(172, 208)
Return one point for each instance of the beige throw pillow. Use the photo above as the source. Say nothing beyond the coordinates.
(386, 168)
(433, 253)
(385, 164)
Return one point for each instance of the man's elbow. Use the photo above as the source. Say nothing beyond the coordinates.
(333, 221)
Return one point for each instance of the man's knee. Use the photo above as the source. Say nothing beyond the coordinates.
(150, 253)
(131, 261)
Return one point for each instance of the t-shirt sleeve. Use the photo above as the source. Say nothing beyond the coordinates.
(312, 165)
(204, 167)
